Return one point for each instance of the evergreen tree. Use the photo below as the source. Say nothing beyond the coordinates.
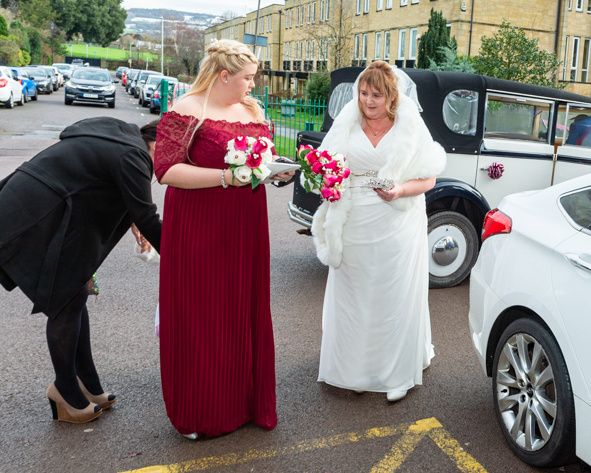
(436, 37)
(3, 26)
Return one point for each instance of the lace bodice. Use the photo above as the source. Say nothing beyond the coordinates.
(209, 145)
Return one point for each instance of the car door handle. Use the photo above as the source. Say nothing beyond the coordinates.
(579, 261)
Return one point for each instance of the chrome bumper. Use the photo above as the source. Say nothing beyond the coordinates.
(298, 216)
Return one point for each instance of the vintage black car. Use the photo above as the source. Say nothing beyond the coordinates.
(500, 137)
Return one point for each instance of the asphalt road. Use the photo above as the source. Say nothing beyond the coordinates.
(447, 425)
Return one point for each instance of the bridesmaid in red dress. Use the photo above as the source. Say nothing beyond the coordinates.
(216, 336)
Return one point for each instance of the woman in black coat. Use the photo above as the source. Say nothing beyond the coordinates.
(61, 213)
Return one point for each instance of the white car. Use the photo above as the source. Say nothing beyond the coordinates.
(530, 320)
(11, 90)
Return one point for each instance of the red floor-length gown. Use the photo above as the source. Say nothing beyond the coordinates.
(216, 336)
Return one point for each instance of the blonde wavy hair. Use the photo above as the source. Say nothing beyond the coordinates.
(229, 55)
(380, 76)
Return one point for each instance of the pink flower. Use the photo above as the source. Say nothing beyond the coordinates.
(253, 160)
(241, 143)
(331, 179)
(303, 148)
(326, 155)
(332, 165)
(330, 193)
(259, 147)
(312, 157)
(316, 167)
(345, 173)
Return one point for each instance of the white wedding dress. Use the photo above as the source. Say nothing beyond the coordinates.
(376, 333)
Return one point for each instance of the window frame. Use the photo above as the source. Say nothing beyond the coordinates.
(586, 59)
(379, 5)
(366, 6)
(567, 215)
(579, 5)
(523, 99)
(574, 62)
(364, 47)
(388, 35)
(401, 42)
(413, 44)
(377, 53)
(403, 3)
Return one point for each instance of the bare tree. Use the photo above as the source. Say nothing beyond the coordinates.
(185, 46)
(332, 37)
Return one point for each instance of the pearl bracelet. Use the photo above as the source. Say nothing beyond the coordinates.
(223, 179)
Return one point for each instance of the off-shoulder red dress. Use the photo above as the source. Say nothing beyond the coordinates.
(217, 353)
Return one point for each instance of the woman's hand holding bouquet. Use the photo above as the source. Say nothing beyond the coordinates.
(247, 158)
(323, 172)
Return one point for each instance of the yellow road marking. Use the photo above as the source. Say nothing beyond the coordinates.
(412, 434)
(405, 445)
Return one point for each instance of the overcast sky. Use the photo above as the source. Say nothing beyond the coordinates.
(240, 7)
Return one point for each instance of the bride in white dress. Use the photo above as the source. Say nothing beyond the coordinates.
(376, 333)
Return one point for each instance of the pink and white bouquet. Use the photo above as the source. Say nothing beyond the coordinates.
(323, 172)
(247, 158)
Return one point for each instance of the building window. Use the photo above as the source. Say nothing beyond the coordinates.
(314, 12)
(570, 4)
(321, 10)
(356, 48)
(412, 54)
(327, 13)
(585, 76)
(574, 59)
(358, 9)
(388, 4)
(401, 44)
(589, 7)
(378, 45)
(414, 1)
(364, 46)
(379, 5)
(403, 3)
(579, 5)
(387, 45)
(366, 6)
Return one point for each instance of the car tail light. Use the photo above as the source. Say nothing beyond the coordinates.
(3, 82)
(495, 222)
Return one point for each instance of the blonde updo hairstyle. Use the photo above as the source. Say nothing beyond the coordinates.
(229, 55)
(380, 76)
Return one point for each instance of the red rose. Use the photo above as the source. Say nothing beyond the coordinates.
(345, 173)
(332, 179)
(317, 167)
(241, 143)
(253, 160)
(312, 157)
(259, 147)
(332, 165)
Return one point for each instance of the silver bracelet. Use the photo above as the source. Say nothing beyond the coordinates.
(223, 179)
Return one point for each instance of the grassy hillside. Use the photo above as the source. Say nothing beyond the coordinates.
(110, 54)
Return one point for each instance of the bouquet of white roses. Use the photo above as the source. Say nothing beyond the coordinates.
(247, 158)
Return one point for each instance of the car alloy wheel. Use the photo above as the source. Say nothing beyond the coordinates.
(10, 102)
(533, 395)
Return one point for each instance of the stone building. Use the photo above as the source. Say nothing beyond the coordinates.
(314, 35)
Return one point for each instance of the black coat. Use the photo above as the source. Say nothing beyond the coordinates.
(62, 212)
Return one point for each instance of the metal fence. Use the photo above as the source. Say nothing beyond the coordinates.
(286, 116)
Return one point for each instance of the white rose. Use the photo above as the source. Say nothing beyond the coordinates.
(261, 172)
(243, 174)
(267, 155)
(236, 157)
